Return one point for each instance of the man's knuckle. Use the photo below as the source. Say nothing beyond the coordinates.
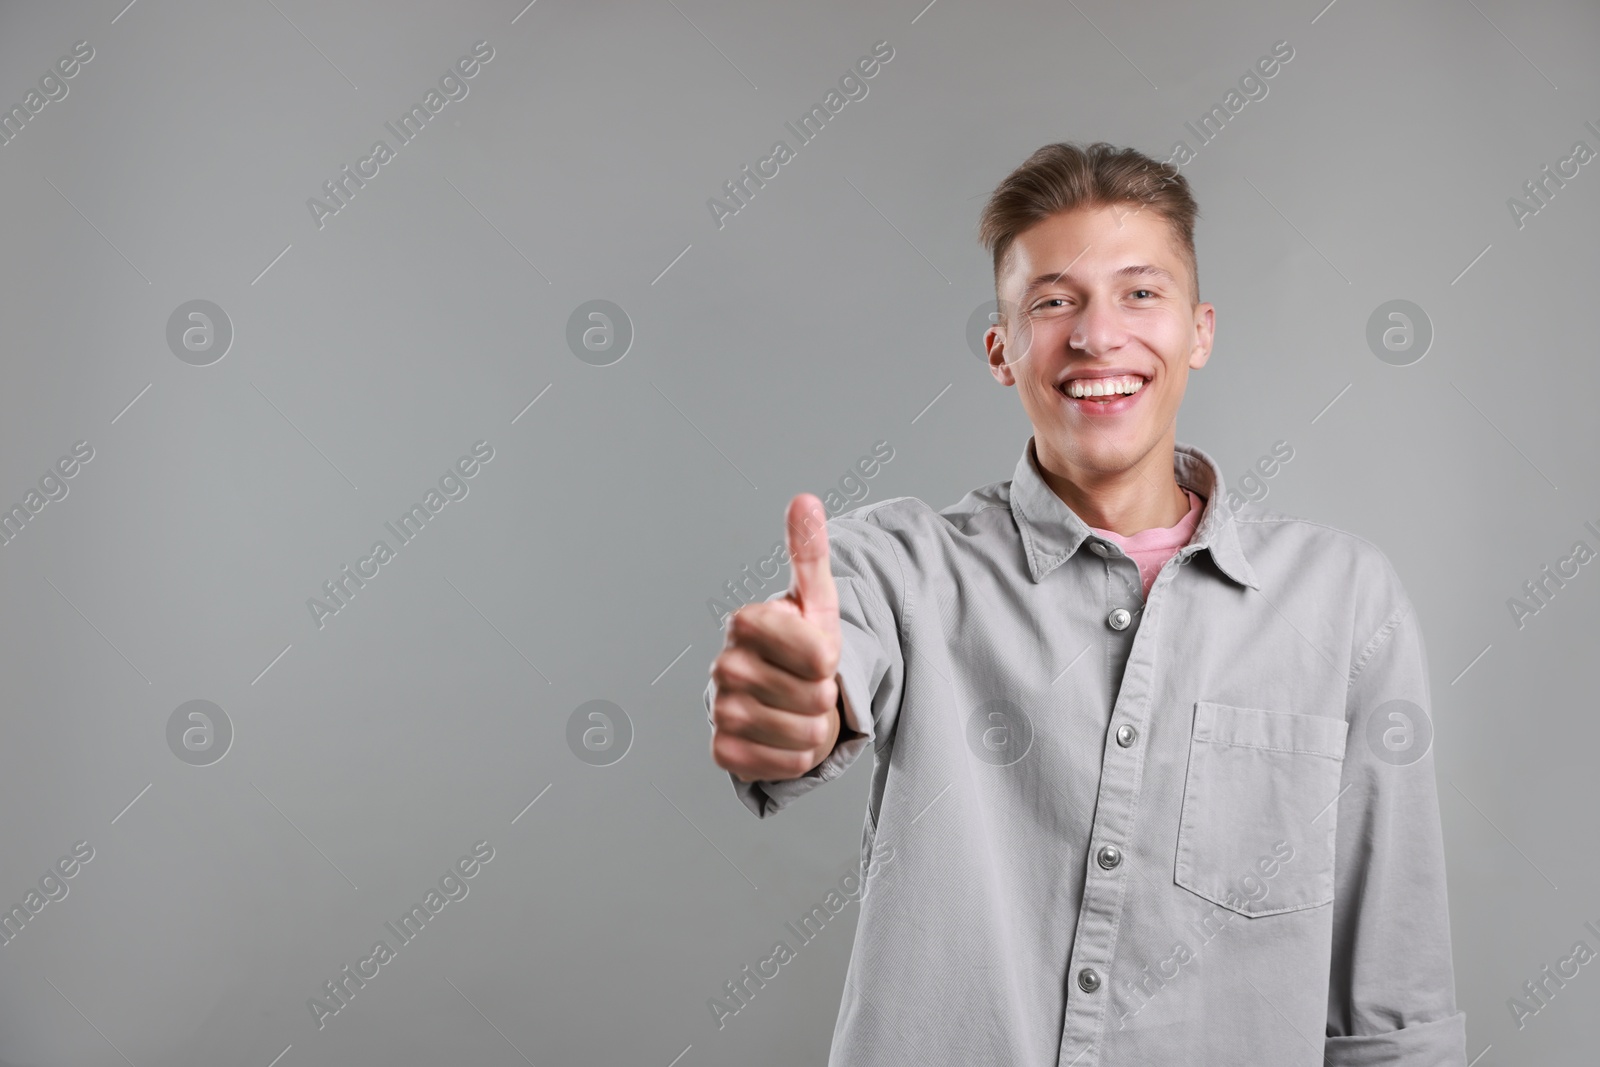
(731, 672)
(732, 757)
(796, 762)
(729, 717)
(817, 731)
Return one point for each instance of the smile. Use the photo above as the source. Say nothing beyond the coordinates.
(1104, 396)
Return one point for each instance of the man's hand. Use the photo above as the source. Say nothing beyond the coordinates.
(775, 714)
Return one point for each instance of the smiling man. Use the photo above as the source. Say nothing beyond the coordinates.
(1157, 778)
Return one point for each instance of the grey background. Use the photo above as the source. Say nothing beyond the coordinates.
(828, 314)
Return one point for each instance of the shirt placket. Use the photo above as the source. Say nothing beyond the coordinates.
(1130, 628)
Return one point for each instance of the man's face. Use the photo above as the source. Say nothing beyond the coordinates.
(1076, 307)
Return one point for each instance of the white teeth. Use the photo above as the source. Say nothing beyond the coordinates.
(1082, 387)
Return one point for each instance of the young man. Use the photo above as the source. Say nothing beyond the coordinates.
(1154, 776)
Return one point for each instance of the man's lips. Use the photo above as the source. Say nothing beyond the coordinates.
(1105, 404)
(1093, 374)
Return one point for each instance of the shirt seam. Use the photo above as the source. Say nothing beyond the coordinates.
(987, 507)
(1398, 615)
(1308, 522)
(899, 565)
(1024, 524)
(1379, 639)
(902, 623)
(1271, 748)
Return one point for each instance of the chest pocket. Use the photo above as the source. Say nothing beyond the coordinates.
(1256, 834)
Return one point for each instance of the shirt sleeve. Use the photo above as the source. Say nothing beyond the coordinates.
(868, 574)
(1391, 992)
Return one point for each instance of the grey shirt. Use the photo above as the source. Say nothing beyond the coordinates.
(1106, 831)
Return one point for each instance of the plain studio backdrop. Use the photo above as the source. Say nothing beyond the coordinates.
(263, 388)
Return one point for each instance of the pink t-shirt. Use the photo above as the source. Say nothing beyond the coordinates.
(1152, 548)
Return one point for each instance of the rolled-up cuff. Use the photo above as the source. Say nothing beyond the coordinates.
(1441, 1043)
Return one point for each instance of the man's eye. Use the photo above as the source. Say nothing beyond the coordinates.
(1051, 300)
(1138, 291)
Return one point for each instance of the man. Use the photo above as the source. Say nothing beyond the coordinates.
(1155, 776)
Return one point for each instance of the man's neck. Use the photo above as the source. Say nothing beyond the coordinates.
(1143, 497)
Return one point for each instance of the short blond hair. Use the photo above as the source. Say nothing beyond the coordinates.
(1064, 176)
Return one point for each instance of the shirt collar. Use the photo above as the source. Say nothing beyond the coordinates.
(1051, 531)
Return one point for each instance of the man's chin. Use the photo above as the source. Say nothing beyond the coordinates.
(1105, 449)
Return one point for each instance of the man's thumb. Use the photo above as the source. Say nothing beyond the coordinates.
(811, 584)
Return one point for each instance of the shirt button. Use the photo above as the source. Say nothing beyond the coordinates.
(1108, 856)
(1097, 548)
(1119, 619)
(1126, 735)
(1088, 980)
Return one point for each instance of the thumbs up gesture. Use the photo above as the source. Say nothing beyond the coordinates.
(775, 715)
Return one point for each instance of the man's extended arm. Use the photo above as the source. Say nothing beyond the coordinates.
(866, 574)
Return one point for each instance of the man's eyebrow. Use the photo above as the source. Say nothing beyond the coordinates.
(1133, 270)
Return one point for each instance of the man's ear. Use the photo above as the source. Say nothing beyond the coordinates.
(995, 343)
(1007, 342)
(1205, 321)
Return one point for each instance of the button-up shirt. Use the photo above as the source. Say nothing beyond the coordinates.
(1110, 830)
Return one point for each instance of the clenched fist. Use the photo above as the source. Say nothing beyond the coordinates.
(775, 714)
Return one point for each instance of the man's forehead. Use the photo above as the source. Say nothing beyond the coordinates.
(1076, 250)
(1106, 230)
(1079, 261)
